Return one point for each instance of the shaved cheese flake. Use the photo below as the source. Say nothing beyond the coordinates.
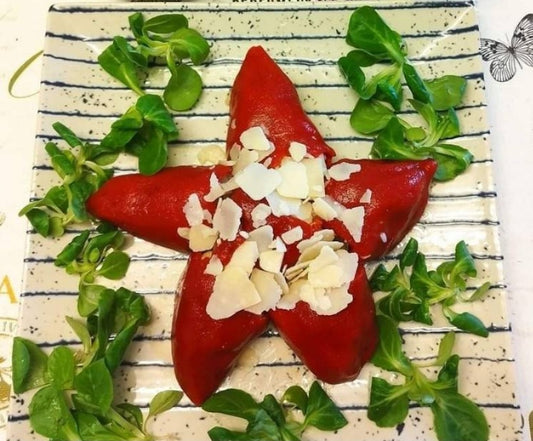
(316, 298)
(326, 257)
(294, 180)
(211, 155)
(278, 245)
(343, 170)
(214, 267)
(202, 237)
(208, 216)
(229, 185)
(184, 232)
(194, 213)
(367, 197)
(293, 235)
(323, 209)
(244, 159)
(257, 181)
(233, 291)
(282, 206)
(311, 252)
(234, 151)
(297, 150)
(291, 296)
(254, 138)
(383, 237)
(268, 289)
(271, 260)
(321, 235)
(259, 215)
(353, 219)
(340, 298)
(349, 263)
(245, 256)
(306, 212)
(215, 189)
(227, 219)
(315, 176)
(263, 236)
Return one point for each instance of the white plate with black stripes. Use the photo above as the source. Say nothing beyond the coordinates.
(306, 39)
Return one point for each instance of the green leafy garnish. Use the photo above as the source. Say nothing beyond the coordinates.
(274, 420)
(412, 288)
(381, 97)
(166, 37)
(82, 171)
(455, 416)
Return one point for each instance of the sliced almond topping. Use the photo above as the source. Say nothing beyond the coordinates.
(233, 291)
(257, 181)
(293, 235)
(294, 180)
(194, 213)
(268, 289)
(227, 219)
(254, 138)
(202, 237)
(353, 219)
(343, 170)
(297, 151)
(211, 155)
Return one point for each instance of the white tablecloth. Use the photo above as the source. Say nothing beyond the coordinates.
(22, 26)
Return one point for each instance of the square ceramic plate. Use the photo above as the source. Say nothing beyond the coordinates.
(306, 39)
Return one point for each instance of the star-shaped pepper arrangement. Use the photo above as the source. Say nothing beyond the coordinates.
(277, 232)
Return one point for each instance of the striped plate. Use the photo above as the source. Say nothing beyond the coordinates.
(306, 39)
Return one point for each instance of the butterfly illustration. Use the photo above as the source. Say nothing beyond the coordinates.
(505, 58)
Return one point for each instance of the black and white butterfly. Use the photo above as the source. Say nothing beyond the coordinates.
(505, 58)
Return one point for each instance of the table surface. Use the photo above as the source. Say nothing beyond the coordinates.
(510, 111)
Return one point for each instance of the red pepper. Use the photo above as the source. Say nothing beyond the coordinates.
(262, 95)
(204, 350)
(333, 347)
(398, 199)
(151, 207)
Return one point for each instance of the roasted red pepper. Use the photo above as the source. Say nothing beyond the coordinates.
(334, 347)
(204, 350)
(151, 207)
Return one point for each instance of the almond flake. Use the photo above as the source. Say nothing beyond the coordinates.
(297, 151)
(211, 155)
(193, 210)
(233, 291)
(202, 237)
(353, 219)
(294, 180)
(367, 197)
(268, 289)
(343, 170)
(254, 138)
(293, 235)
(227, 219)
(257, 181)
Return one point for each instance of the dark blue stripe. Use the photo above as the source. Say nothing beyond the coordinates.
(79, 113)
(430, 34)
(219, 8)
(475, 76)
(283, 62)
